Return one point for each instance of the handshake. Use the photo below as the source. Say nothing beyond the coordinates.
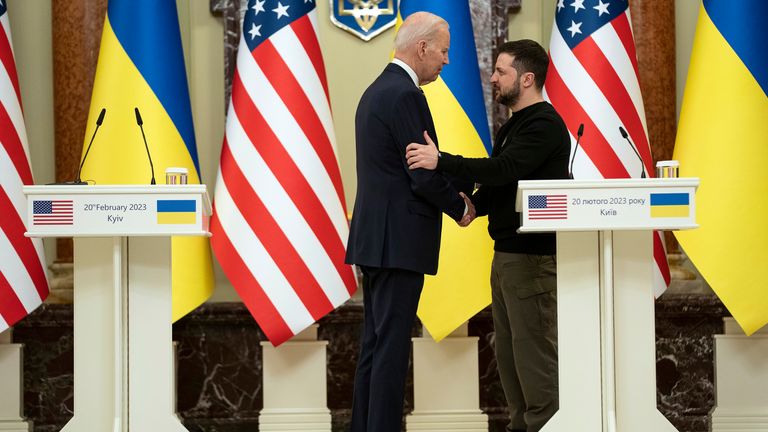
(471, 213)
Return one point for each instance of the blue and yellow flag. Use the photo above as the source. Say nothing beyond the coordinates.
(462, 285)
(141, 64)
(722, 138)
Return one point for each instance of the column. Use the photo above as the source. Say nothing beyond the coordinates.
(741, 379)
(446, 385)
(295, 385)
(11, 396)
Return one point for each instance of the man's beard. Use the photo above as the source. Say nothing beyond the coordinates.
(511, 97)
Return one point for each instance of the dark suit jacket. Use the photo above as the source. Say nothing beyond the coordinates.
(396, 222)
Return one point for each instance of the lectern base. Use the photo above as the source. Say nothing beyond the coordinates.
(606, 334)
(79, 423)
(119, 389)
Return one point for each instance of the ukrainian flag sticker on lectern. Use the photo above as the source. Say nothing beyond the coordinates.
(667, 205)
(176, 211)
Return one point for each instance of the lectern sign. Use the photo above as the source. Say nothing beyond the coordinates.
(117, 210)
(628, 204)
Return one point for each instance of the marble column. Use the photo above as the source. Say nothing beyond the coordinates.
(653, 25)
(10, 376)
(76, 31)
(740, 380)
(231, 12)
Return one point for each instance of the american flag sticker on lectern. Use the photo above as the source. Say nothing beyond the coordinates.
(548, 207)
(52, 212)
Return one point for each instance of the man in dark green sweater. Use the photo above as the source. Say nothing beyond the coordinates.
(533, 144)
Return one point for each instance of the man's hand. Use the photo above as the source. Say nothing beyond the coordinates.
(422, 155)
(471, 212)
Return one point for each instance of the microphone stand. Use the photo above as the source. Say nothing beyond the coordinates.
(626, 137)
(578, 138)
(141, 126)
(80, 168)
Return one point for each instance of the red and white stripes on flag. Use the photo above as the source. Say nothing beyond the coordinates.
(593, 79)
(23, 282)
(279, 224)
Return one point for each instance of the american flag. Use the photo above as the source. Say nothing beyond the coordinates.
(52, 212)
(593, 79)
(279, 225)
(23, 283)
(547, 207)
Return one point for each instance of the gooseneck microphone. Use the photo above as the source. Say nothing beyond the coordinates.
(578, 138)
(82, 162)
(141, 126)
(626, 137)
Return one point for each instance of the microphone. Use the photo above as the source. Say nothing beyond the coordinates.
(82, 162)
(626, 137)
(141, 126)
(578, 138)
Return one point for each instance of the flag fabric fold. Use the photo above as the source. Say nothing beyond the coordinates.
(722, 138)
(593, 80)
(279, 225)
(461, 287)
(23, 279)
(141, 65)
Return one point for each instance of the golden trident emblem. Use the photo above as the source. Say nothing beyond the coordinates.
(366, 12)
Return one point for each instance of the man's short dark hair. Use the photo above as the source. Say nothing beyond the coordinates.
(529, 57)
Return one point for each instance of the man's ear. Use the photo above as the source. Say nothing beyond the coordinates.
(421, 48)
(529, 80)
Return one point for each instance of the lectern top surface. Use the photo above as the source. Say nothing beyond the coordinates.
(114, 189)
(609, 183)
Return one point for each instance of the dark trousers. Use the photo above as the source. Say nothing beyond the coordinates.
(390, 299)
(525, 322)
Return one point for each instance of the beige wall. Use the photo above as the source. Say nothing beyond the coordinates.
(31, 35)
(534, 21)
(686, 15)
(351, 65)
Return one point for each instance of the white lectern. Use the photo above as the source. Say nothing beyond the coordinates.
(606, 331)
(123, 365)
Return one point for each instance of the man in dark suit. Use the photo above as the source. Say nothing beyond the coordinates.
(395, 232)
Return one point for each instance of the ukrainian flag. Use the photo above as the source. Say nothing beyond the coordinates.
(462, 285)
(141, 64)
(176, 212)
(723, 139)
(666, 205)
